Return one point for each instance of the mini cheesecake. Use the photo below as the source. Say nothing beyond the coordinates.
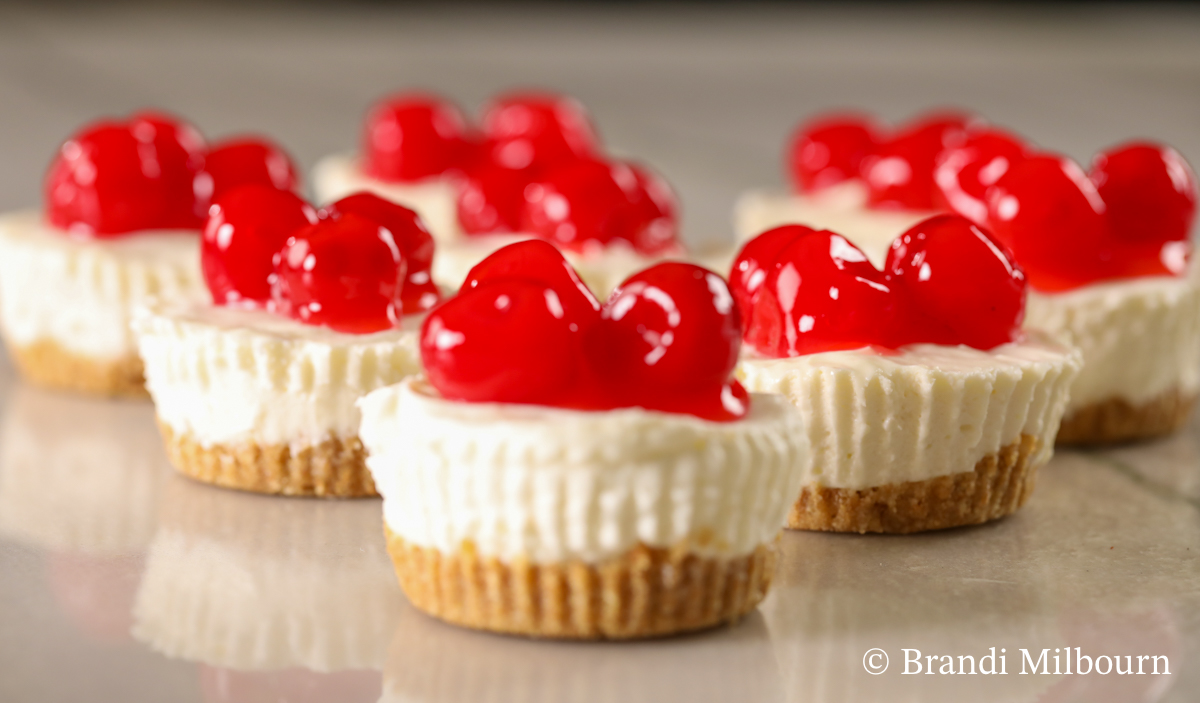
(568, 489)
(537, 170)
(1106, 252)
(256, 390)
(921, 411)
(124, 203)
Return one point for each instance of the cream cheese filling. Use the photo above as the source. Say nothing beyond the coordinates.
(873, 418)
(80, 293)
(236, 376)
(551, 485)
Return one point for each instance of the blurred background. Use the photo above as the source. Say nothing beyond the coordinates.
(705, 92)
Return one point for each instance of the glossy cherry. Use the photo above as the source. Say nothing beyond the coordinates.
(1149, 192)
(237, 162)
(756, 261)
(539, 262)
(114, 177)
(669, 333)
(964, 173)
(829, 150)
(957, 284)
(504, 341)
(822, 295)
(412, 136)
(491, 199)
(346, 273)
(420, 292)
(899, 171)
(246, 227)
(655, 209)
(537, 131)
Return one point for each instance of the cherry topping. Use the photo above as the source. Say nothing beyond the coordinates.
(946, 282)
(505, 341)
(1149, 192)
(590, 202)
(964, 173)
(491, 199)
(415, 243)
(246, 227)
(412, 136)
(113, 178)
(899, 172)
(536, 131)
(959, 285)
(822, 294)
(655, 209)
(829, 150)
(237, 162)
(670, 336)
(346, 273)
(539, 262)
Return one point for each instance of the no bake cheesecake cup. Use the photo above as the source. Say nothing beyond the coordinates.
(924, 438)
(251, 400)
(570, 524)
(66, 303)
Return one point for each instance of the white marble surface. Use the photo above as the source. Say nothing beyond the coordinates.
(97, 534)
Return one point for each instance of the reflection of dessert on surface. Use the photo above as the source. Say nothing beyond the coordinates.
(435, 662)
(96, 592)
(288, 686)
(252, 582)
(79, 475)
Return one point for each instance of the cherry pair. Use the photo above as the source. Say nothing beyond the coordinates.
(525, 329)
(536, 166)
(152, 171)
(897, 168)
(356, 265)
(945, 281)
(1129, 216)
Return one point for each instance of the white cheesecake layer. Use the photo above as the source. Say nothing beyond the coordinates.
(841, 208)
(234, 376)
(435, 200)
(550, 485)
(873, 418)
(80, 293)
(1140, 337)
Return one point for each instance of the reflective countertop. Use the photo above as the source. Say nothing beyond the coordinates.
(122, 581)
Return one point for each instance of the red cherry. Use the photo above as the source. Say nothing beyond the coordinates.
(536, 131)
(1047, 212)
(964, 173)
(109, 180)
(1149, 192)
(246, 227)
(670, 329)
(505, 341)
(345, 273)
(899, 173)
(960, 286)
(179, 151)
(829, 149)
(822, 295)
(655, 209)
(584, 201)
(412, 136)
(755, 262)
(490, 200)
(237, 162)
(409, 233)
(539, 262)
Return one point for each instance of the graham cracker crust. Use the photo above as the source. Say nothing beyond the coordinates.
(45, 363)
(646, 592)
(1115, 420)
(999, 485)
(334, 468)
